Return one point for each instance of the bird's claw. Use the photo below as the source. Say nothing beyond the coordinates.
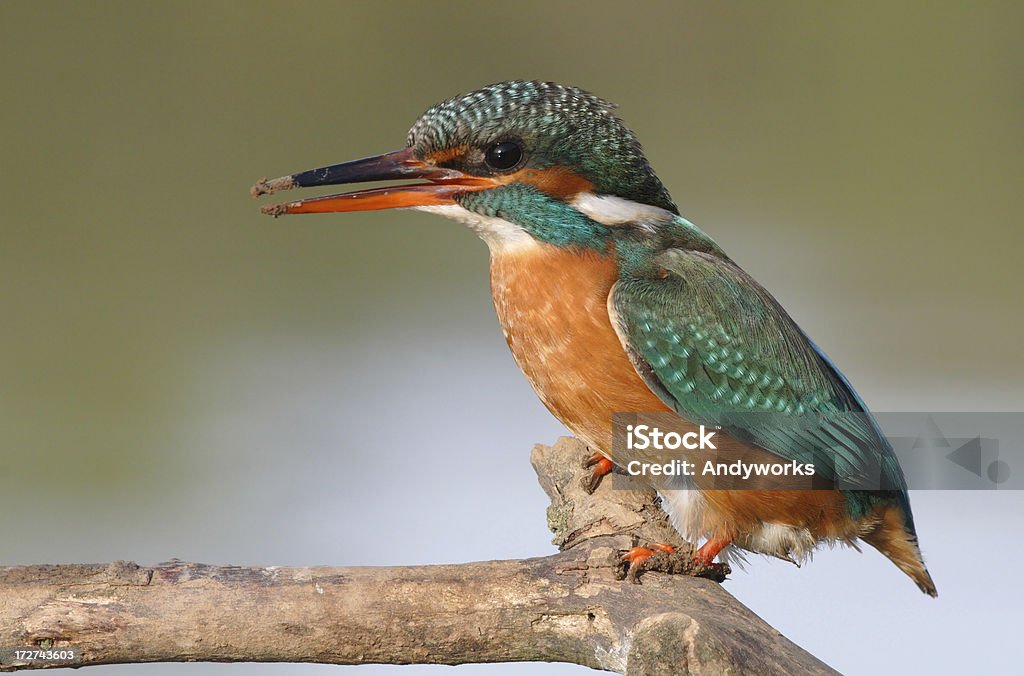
(602, 466)
(666, 559)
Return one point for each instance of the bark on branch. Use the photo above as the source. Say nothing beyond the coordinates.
(568, 607)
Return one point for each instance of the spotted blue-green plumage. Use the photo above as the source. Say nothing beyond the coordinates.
(719, 350)
(556, 125)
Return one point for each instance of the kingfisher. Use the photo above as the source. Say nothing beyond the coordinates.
(612, 302)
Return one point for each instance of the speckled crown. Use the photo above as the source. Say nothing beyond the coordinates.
(557, 124)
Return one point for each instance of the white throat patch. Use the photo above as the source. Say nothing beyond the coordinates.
(499, 234)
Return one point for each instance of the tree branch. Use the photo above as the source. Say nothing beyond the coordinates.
(569, 607)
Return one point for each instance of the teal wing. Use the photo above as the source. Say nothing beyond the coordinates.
(719, 350)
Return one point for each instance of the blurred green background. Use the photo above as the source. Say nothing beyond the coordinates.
(182, 376)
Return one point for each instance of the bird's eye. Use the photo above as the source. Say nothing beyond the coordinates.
(503, 156)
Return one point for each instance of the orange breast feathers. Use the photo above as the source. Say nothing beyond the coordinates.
(553, 307)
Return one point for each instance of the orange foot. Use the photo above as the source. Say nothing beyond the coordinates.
(638, 555)
(635, 560)
(704, 558)
(602, 466)
(700, 564)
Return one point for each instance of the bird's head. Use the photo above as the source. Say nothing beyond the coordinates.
(517, 161)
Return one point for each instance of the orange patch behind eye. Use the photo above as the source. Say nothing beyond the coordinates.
(446, 154)
(558, 181)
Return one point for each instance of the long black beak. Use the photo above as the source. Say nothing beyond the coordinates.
(443, 185)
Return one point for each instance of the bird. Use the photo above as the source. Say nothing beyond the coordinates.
(612, 302)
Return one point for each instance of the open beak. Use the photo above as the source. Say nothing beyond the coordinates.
(440, 189)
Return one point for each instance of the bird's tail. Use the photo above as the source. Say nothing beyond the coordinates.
(892, 537)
